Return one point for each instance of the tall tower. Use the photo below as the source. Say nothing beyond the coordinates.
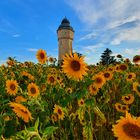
(65, 35)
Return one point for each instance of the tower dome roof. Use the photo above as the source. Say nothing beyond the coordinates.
(65, 24)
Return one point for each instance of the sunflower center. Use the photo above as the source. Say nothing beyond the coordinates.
(123, 67)
(42, 56)
(12, 87)
(51, 59)
(59, 111)
(110, 69)
(123, 107)
(58, 78)
(129, 76)
(81, 102)
(136, 59)
(117, 68)
(106, 75)
(75, 65)
(119, 106)
(33, 90)
(138, 88)
(98, 80)
(51, 79)
(24, 111)
(69, 90)
(94, 88)
(132, 130)
(127, 98)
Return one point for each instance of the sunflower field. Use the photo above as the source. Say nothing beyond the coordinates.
(74, 101)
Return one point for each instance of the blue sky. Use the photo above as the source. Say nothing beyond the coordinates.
(29, 25)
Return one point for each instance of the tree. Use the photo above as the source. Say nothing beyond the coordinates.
(106, 57)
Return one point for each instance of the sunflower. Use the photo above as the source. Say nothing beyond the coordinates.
(127, 128)
(107, 75)
(10, 63)
(69, 90)
(58, 110)
(6, 118)
(31, 77)
(24, 73)
(54, 118)
(93, 89)
(51, 59)
(12, 74)
(59, 79)
(110, 69)
(19, 99)
(28, 64)
(82, 122)
(123, 67)
(128, 99)
(41, 56)
(136, 59)
(52, 70)
(51, 79)
(28, 75)
(124, 108)
(81, 102)
(127, 60)
(136, 88)
(117, 68)
(121, 108)
(99, 80)
(118, 107)
(119, 56)
(21, 111)
(62, 85)
(43, 87)
(33, 90)
(74, 66)
(11, 87)
(130, 77)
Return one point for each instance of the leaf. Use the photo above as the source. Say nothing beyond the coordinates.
(81, 112)
(31, 129)
(87, 132)
(10, 128)
(90, 102)
(49, 130)
(36, 124)
(99, 113)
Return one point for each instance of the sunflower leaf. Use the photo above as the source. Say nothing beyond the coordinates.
(36, 124)
(49, 130)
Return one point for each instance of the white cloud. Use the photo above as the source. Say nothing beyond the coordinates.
(92, 11)
(32, 49)
(104, 15)
(91, 52)
(131, 52)
(87, 49)
(85, 10)
(114, 54)
(16, 35)
(118, 23)
(127, 35)
(88, 36)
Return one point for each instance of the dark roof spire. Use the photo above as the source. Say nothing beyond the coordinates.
(65, 24)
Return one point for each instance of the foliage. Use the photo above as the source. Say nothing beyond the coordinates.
(90, 119)
(106, 57)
